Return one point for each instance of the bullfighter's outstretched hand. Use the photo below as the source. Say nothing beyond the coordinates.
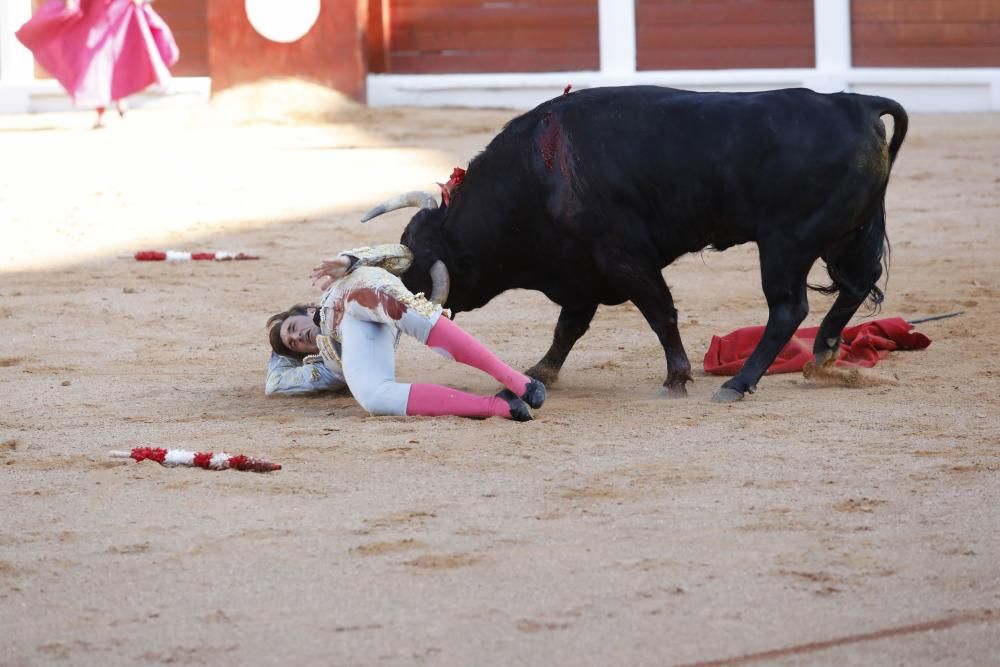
(329, 271)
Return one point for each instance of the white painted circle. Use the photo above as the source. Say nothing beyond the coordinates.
(282, 21)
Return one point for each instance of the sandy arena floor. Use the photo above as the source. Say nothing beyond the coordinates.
(807, 524)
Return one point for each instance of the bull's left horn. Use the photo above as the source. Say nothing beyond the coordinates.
(414, 198)
(440, 283)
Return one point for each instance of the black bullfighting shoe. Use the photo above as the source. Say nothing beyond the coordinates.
(534, 394)
(519, 411)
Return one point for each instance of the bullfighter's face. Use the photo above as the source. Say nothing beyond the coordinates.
(299, 332)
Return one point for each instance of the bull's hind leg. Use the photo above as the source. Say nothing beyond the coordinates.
(827, 345)
(855, 266)
(573, 323)
(784, 281)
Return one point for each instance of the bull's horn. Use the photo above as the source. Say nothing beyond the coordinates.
(440, 283)
(414, 198)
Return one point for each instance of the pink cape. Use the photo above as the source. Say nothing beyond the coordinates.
(864, 345)
(102, 50)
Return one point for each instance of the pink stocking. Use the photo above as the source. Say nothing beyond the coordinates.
(434, 400)
(463, 348)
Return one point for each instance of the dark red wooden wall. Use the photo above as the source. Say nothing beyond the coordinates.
(331, 53)
(723, 34)
(439, 36)
(926, 33)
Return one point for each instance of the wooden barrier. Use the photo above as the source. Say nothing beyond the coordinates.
(925, 33)
(445, 36)
(724, 34)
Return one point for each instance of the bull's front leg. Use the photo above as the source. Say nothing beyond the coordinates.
(656, 304)
(573, 323)
(783, 277)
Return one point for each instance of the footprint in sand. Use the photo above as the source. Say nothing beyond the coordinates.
(444, 561)
(380, 548)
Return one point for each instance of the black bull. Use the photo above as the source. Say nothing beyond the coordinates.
(588, 196)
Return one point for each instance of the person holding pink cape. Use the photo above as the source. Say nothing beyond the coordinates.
(101, 51)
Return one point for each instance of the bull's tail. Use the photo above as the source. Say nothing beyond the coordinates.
(900, 122)
(857, 262)
(878, 235)
(879, 249)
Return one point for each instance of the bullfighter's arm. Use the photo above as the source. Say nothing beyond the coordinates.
(288, 377)
(392, 257)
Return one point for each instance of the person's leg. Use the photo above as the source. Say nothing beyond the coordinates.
(379, 296)
(99, 123)
(435, 400)
(368, 358)
(121, 107)
(450, 340)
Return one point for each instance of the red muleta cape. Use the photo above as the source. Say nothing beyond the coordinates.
(863, 345)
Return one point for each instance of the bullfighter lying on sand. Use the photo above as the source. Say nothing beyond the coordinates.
(350, 339)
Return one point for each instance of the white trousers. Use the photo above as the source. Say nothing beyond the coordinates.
(368, 352)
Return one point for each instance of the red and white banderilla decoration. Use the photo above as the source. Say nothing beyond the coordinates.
(182, 256)
(207, 460)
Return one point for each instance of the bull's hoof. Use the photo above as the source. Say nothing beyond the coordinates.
(534, 394)
(672, 391)
(544, 374)
(726, 395)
